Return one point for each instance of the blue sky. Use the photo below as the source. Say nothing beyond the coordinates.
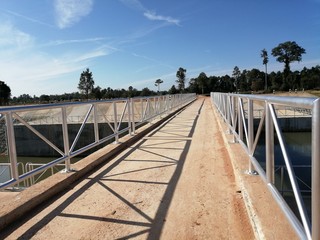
(46, 44)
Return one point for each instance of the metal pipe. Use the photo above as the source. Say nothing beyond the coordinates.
(130, 117)
(65, 138)
(133, 118)
(315, 170)
(269, 145)
(95, 123)
(115, 117)
(12, 146)
(240, 123)
(250, 133)
(81, 129)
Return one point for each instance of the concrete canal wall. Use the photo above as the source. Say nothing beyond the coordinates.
(28, 144)
(296, 124)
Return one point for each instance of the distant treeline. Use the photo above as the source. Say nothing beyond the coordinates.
(240, 81)
(254, 80)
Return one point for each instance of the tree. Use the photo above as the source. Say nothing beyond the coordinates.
(5, 93)
(254, 76)
(264, 55)
(202, 80)
(157, 83)
(181, 75)
(288, 52)
(146, 92)
(97, 93)
(173, 90)
(236, 74)
(86, 83)
(44, 98)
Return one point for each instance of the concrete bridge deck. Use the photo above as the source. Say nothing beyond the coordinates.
(184, 180)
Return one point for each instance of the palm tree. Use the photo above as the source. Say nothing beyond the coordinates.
(264, 55)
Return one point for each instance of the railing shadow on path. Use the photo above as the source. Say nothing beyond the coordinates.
(152, 226)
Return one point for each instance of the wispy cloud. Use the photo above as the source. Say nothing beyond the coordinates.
(154, 17)
(151, 15)
(10, 37)
(28, 67)
(28, 18)
(72, 41)
(153, 60)
(69, 12)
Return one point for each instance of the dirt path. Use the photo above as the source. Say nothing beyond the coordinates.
(176, 183)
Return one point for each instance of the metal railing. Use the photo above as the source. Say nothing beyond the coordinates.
(121, 116)
(237, 110)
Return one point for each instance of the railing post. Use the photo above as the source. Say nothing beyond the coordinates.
(130, 125)
(95, 123)
(228, 113)
(142, 109)
(115, 117)
(234, 114)
(250, 134)
(315, 170)
(240, 123)
(66, 138)
(269, 145)
(132, 118)
(12, 147)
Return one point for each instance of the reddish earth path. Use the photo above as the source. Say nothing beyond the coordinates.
(176, 183)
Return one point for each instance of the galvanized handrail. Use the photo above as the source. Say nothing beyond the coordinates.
(133, 112)
(237, 110)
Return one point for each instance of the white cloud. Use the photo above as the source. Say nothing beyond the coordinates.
(28, 18)
(154, 17)
(69, 12)
(72, 41)
(27, 67)
(151, 15)
(12, 37)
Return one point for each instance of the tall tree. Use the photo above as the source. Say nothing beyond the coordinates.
(202, 80)
(288, 52)
(173, 90)
(86, 83)
(5, 93)
(265, 60)
(181, 75)
(236, 74)
(157, 83)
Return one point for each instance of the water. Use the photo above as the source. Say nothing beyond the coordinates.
(298, 145)
(25, 161)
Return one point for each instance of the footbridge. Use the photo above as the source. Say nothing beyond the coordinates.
(167, 167)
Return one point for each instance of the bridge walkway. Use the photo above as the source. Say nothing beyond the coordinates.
(177, 182)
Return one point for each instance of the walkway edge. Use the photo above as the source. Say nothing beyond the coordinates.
(276, 225)
(27, 200)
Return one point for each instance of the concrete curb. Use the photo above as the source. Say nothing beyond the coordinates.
(266, 217)
(255, 222)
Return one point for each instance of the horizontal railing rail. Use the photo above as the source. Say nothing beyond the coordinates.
(120, 116)
(237, 110)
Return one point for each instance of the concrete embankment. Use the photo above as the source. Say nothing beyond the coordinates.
(291, 124)
(29, 144)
